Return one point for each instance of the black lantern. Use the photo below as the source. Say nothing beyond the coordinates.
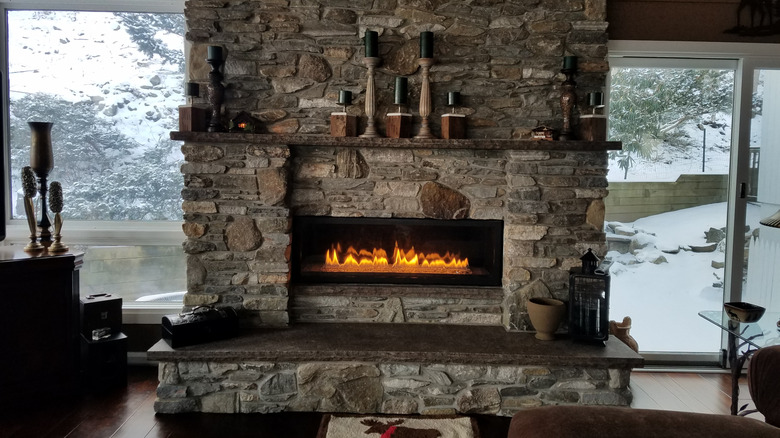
(589, 301)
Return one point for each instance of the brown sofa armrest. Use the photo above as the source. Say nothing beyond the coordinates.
(617, 422)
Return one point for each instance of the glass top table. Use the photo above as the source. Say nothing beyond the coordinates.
(759, 334)
(753, 335)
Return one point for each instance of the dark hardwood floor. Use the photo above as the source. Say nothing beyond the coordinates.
(129, 412)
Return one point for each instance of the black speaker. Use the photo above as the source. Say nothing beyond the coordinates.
(101, 316)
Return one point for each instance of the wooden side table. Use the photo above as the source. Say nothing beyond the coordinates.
(39, 323)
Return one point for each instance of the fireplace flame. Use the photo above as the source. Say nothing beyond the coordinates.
(402, 261)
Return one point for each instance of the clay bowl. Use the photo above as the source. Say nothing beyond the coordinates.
(739, 311)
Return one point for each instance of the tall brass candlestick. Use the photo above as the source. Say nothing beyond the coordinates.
(371, 63)
(42, 162)
(425, 98)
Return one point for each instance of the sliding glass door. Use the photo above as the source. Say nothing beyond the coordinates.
(697, 174)
(761, 282)
(667, 207)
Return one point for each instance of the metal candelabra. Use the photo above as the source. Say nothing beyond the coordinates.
(371, 63)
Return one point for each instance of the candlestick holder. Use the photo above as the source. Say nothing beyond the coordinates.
(28, 183)
(370, 132)
(216, 94)
(568, 102)
(42, 162)
(425, 98)
(55, 205)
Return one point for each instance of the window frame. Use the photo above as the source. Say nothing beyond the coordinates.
(91, 233)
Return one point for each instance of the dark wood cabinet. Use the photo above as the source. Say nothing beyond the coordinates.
(39, 322)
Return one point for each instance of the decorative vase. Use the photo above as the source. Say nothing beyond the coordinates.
(621, 330)
(42, 162)
(546, 315)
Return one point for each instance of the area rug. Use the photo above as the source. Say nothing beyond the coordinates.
(353, 426)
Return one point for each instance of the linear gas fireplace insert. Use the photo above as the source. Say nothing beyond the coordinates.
(400, 251)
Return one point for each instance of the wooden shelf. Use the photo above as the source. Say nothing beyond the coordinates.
(396, 143)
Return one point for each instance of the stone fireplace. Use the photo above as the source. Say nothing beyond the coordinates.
(524, 213)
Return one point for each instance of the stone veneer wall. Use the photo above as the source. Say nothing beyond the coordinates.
(240, 199)
(288, 59)
(388, 388)
(286, 62)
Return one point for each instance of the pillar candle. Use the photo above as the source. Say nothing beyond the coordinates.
(453, 98)
(596, 99)
(345, 97)
(192, 89)
(371, 44)
(570, 63)
(426, 44)
(401, 90)
(214, 53)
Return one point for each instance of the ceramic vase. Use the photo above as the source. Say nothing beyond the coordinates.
(546, 315)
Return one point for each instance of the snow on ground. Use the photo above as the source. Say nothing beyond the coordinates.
(663, 299)
(125, 83)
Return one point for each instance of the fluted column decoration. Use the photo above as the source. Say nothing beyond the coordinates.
(425, 98)
(370, 132)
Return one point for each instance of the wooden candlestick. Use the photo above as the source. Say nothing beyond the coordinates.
(370, 131)
(568, 102)
(425, 98)
(216, 93)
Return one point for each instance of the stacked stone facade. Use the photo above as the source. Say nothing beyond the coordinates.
(388, 388)
(286, 62)
(287, 59)
(240, 199)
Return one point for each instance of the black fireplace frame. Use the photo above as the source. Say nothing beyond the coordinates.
(488, 235)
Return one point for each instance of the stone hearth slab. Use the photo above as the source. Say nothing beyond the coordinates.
(390, 369)
(420, 343)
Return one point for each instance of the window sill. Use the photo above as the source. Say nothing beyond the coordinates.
(145, 314)
(129, 233)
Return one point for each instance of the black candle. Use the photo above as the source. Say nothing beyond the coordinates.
(426, 45)
(345, 97)
(596, 99)
(570, 63)
(192, 89)
(401, 90)
(214, 53)
(371, 44)
(453, 98)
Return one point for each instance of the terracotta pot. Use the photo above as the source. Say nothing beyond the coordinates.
(546, 315)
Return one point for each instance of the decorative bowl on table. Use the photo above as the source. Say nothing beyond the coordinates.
(743, 312)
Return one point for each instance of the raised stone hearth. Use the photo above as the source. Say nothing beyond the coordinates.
(392, 369)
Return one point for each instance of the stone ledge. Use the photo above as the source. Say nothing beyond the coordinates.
(418, 343)
(395, 143)
(359, 290)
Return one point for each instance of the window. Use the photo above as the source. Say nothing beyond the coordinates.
(111, 82)
(683, 212)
